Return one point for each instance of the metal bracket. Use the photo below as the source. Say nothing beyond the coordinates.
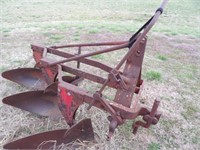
(150, 118)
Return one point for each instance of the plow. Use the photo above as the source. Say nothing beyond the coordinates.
(55, 90)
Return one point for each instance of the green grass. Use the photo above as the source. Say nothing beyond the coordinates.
(187, 75)
(94, 30)
(153, 146)
(6, 30)
(100, 56)
(168, 124)
(153, 75)
(76, 36)
(196, 139)
(176, 20)
(162, 57)
(126, 129)
(56, 37)
(2, 69)
(190, 111)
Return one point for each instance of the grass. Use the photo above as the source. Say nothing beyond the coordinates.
(127, 128)
(153, 75)
(94, 30)
(162, 57)
(56, 37)
(172, 57)
(6, 30)
(153, 146)
(190, 111)
(100, 56)
(168, 124)
(76, 36)
(177, 17)
(196, 138)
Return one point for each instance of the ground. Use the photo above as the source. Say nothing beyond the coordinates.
(170, 70)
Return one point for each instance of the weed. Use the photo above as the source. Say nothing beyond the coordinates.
(153, 75)
(153, 146)
(162, 57)
(94, 30)
(100, 56)
(80, 26)
(76, 34)
(56, 37)
(76, 38)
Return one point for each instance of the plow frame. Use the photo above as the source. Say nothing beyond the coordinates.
(126, 83)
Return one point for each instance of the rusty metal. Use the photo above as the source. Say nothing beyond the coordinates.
(37, 102)
(42, 102)
(62, 92)
(51, 139)
(28, 77)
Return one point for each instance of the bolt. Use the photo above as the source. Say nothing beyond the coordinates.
(138, 53)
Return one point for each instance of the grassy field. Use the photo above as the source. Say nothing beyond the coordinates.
(171, 65)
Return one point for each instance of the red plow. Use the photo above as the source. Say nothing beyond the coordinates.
(56, 90)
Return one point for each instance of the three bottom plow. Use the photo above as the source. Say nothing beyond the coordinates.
(55, 89)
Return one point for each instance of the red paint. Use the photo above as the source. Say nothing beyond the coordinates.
(66, 98)
(37, 56)
(50, 74)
